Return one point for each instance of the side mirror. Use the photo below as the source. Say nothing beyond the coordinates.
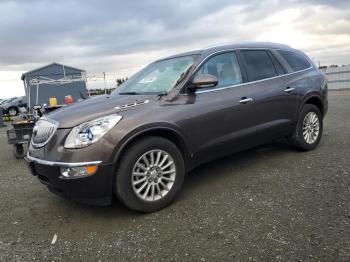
(37, 107)
(203, 81)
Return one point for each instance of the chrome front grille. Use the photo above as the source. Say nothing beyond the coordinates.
(43, 130)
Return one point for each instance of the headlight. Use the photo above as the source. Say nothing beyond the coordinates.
(88, 133)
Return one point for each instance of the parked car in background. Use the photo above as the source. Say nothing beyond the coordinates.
(176, 113)
(11, 106)
(4, 101)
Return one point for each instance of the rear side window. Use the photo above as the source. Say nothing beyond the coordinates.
(259, 64)
(278, 66)
(296, 60)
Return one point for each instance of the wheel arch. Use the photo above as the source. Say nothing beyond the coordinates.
(314, 100)
(165, 132)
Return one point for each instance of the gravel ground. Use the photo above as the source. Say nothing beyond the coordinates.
(266, 204)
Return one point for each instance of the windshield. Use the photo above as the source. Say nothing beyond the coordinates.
(156, 78)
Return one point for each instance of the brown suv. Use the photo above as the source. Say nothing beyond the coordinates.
(176, 113)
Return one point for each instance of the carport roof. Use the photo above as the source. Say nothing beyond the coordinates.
(54, 63)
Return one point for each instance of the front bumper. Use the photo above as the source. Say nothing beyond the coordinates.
(96, 189)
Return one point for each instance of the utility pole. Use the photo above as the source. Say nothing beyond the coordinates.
(104, 79)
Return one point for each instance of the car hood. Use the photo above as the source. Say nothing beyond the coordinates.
(5, 106)
(75, 114)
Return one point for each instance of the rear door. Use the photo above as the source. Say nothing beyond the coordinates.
(275, 102)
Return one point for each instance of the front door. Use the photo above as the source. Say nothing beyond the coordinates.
(221, 118)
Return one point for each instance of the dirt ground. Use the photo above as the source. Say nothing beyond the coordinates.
(270, 203)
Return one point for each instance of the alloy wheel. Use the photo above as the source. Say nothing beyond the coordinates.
(12, 112)
(153, 175)
(311, 127)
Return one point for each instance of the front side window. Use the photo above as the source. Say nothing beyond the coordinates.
(259, 64)
(296, 60)
(158, 77)
(225, 67)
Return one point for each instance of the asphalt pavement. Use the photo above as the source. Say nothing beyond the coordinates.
(271, 203)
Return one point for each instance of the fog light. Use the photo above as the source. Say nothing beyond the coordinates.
(76, 172)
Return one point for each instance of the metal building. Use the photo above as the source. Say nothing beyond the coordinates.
(338, 77)
(54, 80)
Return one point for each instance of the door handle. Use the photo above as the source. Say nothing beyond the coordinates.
(289, 89)
(245, 100)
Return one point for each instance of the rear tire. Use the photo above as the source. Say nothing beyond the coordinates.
(308, 131)
(146, 183)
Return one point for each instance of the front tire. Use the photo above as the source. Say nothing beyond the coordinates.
(308, 131)
(12, 111)
(150, 174)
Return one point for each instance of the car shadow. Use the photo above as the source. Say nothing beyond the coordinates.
(214, 171)
(201, 176)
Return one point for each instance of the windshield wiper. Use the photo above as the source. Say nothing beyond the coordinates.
(128, 93)
(161, 94)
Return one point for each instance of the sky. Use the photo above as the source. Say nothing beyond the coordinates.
(121, 37)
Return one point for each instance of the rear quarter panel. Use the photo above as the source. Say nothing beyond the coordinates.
(308, 84)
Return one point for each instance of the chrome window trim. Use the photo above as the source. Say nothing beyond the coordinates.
(59, 164)
(252, 82)
(52, 134)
